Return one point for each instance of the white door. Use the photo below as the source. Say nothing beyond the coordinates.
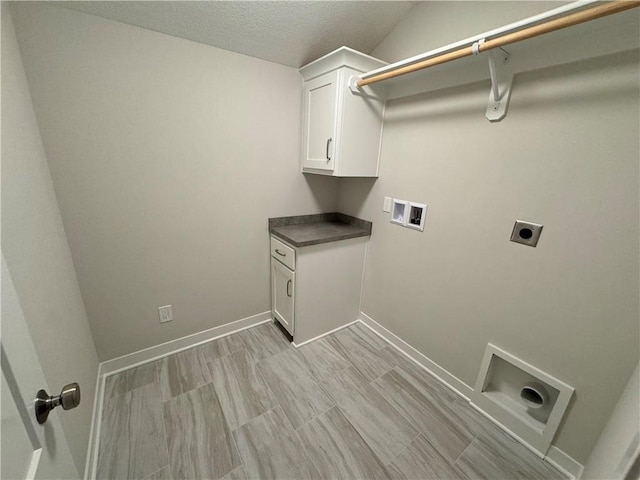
(282, 294)
(29, 450)
(320, 102)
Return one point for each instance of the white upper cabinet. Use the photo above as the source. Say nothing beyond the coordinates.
(341, 130)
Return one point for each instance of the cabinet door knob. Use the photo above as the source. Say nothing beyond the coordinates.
(288, 284)
(329, 140)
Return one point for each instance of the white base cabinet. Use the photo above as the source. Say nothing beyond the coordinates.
(323, 293)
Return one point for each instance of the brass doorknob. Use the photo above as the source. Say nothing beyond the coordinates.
(69, 398)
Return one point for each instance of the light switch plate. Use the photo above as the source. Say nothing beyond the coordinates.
(387, 204)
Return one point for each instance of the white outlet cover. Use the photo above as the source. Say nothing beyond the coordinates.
(386, 207)
(165, 313)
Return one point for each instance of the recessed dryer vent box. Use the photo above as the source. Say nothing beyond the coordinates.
(527, 401)
(399, 212)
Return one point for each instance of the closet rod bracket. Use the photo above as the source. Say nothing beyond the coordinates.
(366, 91)
(501, 83)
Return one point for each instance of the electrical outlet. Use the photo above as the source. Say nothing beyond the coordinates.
(165, 314)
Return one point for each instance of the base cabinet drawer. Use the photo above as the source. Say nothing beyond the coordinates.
(284, 253)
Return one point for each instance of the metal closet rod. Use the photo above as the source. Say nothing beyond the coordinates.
(530, 32)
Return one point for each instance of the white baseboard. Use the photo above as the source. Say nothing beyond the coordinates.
(555, 456)
(298, 345)
(423, 361)
(564, 462)
(111, 367)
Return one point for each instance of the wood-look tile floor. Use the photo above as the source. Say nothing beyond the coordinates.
(347, 406)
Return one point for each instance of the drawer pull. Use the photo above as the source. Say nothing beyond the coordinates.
(280, 253)
(288, 284)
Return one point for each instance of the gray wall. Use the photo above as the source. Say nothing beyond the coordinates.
(168, 156)
(37, 254)
(566, 156)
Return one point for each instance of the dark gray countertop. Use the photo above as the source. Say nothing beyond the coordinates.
(305, 230)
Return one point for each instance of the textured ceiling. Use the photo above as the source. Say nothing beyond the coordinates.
(287, 32)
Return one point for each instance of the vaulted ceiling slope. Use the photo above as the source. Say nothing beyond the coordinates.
(291, 33)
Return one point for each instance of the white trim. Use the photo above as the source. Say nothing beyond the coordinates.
(95, 439)
(116, 365)
(323, 335)
(423, 361)
(555, 457)
(94, 432)
(564, 462)
(34, 463)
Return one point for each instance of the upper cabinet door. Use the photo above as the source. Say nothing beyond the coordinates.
(320, 106)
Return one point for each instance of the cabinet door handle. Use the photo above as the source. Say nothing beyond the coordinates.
(329, 140)
(280, 253)
(288, 284)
